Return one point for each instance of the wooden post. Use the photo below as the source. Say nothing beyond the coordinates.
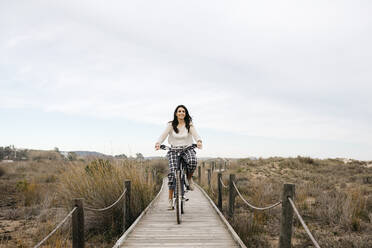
(203, 164)
(219, 202)
(125, 218)
(157, 181)
(231, 196)
(203, 174)
(209, 177)
(220, 166)
(287, 216)
(78, 224)
(153, 172)
(199, 175)
(127, 212)
(225, 165)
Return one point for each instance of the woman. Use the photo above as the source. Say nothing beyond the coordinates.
(181, 132)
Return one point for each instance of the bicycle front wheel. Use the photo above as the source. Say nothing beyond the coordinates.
(178, 197)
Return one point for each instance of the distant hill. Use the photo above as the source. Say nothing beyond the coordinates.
(101, 155)
(90, 154)
(159, 157)
(155, 157)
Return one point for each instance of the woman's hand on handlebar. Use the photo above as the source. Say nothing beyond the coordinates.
(157, 146)
(164, 147)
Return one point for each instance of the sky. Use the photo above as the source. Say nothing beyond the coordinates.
(260, 78)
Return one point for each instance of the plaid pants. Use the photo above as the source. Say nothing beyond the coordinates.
(189, 156)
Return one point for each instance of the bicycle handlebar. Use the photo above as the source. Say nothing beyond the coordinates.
(164, 147)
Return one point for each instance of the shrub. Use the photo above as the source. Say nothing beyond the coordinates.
(330, 196)
(290, 163)
(31, 192)
(38, 155)
(249, 229)
(98, 166)
(305, 160)
(160, 165)
(50, 178)
(100, 184)
(58, 239)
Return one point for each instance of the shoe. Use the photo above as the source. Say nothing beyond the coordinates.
(170, 204)
(191, 184)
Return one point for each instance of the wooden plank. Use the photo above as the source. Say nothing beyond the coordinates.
(201, 226)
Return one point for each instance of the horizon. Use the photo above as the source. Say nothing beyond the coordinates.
(164, 155)
(261, 79)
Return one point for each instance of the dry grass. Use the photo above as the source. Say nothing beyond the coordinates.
(38, 194)
(30, 192)
(2, 171)
(100, 184)
(36, 155)
(334, 199)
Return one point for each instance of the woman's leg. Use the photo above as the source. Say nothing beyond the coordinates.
(171, 191)
(172, 159)
(189, 176)
(191, 161)
(172, 162)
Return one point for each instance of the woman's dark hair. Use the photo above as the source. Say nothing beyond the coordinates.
(188, 119)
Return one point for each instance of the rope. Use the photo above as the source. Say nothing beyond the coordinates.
(303, 224)
(55, 229)
(257, 208)
(106, 208)
(223, 185)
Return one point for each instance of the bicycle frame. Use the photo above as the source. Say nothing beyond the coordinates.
(180, 180)
(180, 167)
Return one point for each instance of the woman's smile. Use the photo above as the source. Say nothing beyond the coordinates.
(181, 113)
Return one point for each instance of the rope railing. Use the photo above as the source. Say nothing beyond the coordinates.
(223, 185)
(56, 228)
(107, 208)
(303, 223)
(286, 203)
(77, 214)
(252, 206)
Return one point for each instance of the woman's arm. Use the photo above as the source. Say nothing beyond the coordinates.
(164, 135)
(196, 136)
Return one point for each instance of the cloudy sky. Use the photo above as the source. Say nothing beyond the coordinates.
(260, 78)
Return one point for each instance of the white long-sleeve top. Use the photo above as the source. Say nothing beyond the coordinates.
(182, 138)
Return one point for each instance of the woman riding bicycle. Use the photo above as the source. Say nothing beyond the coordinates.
(180, 133)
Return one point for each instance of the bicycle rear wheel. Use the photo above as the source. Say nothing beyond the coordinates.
(182, 206)
(178, 197)
(183, 188)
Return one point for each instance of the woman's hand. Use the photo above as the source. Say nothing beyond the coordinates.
(200, 144)
(157, 146)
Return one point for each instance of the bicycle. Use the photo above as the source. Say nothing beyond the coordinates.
(181, 180)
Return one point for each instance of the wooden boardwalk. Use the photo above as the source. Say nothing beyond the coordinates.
(201, 225)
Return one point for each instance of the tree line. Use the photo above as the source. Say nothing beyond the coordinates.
(9, 152)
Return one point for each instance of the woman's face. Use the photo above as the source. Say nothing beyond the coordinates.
(181, 113)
